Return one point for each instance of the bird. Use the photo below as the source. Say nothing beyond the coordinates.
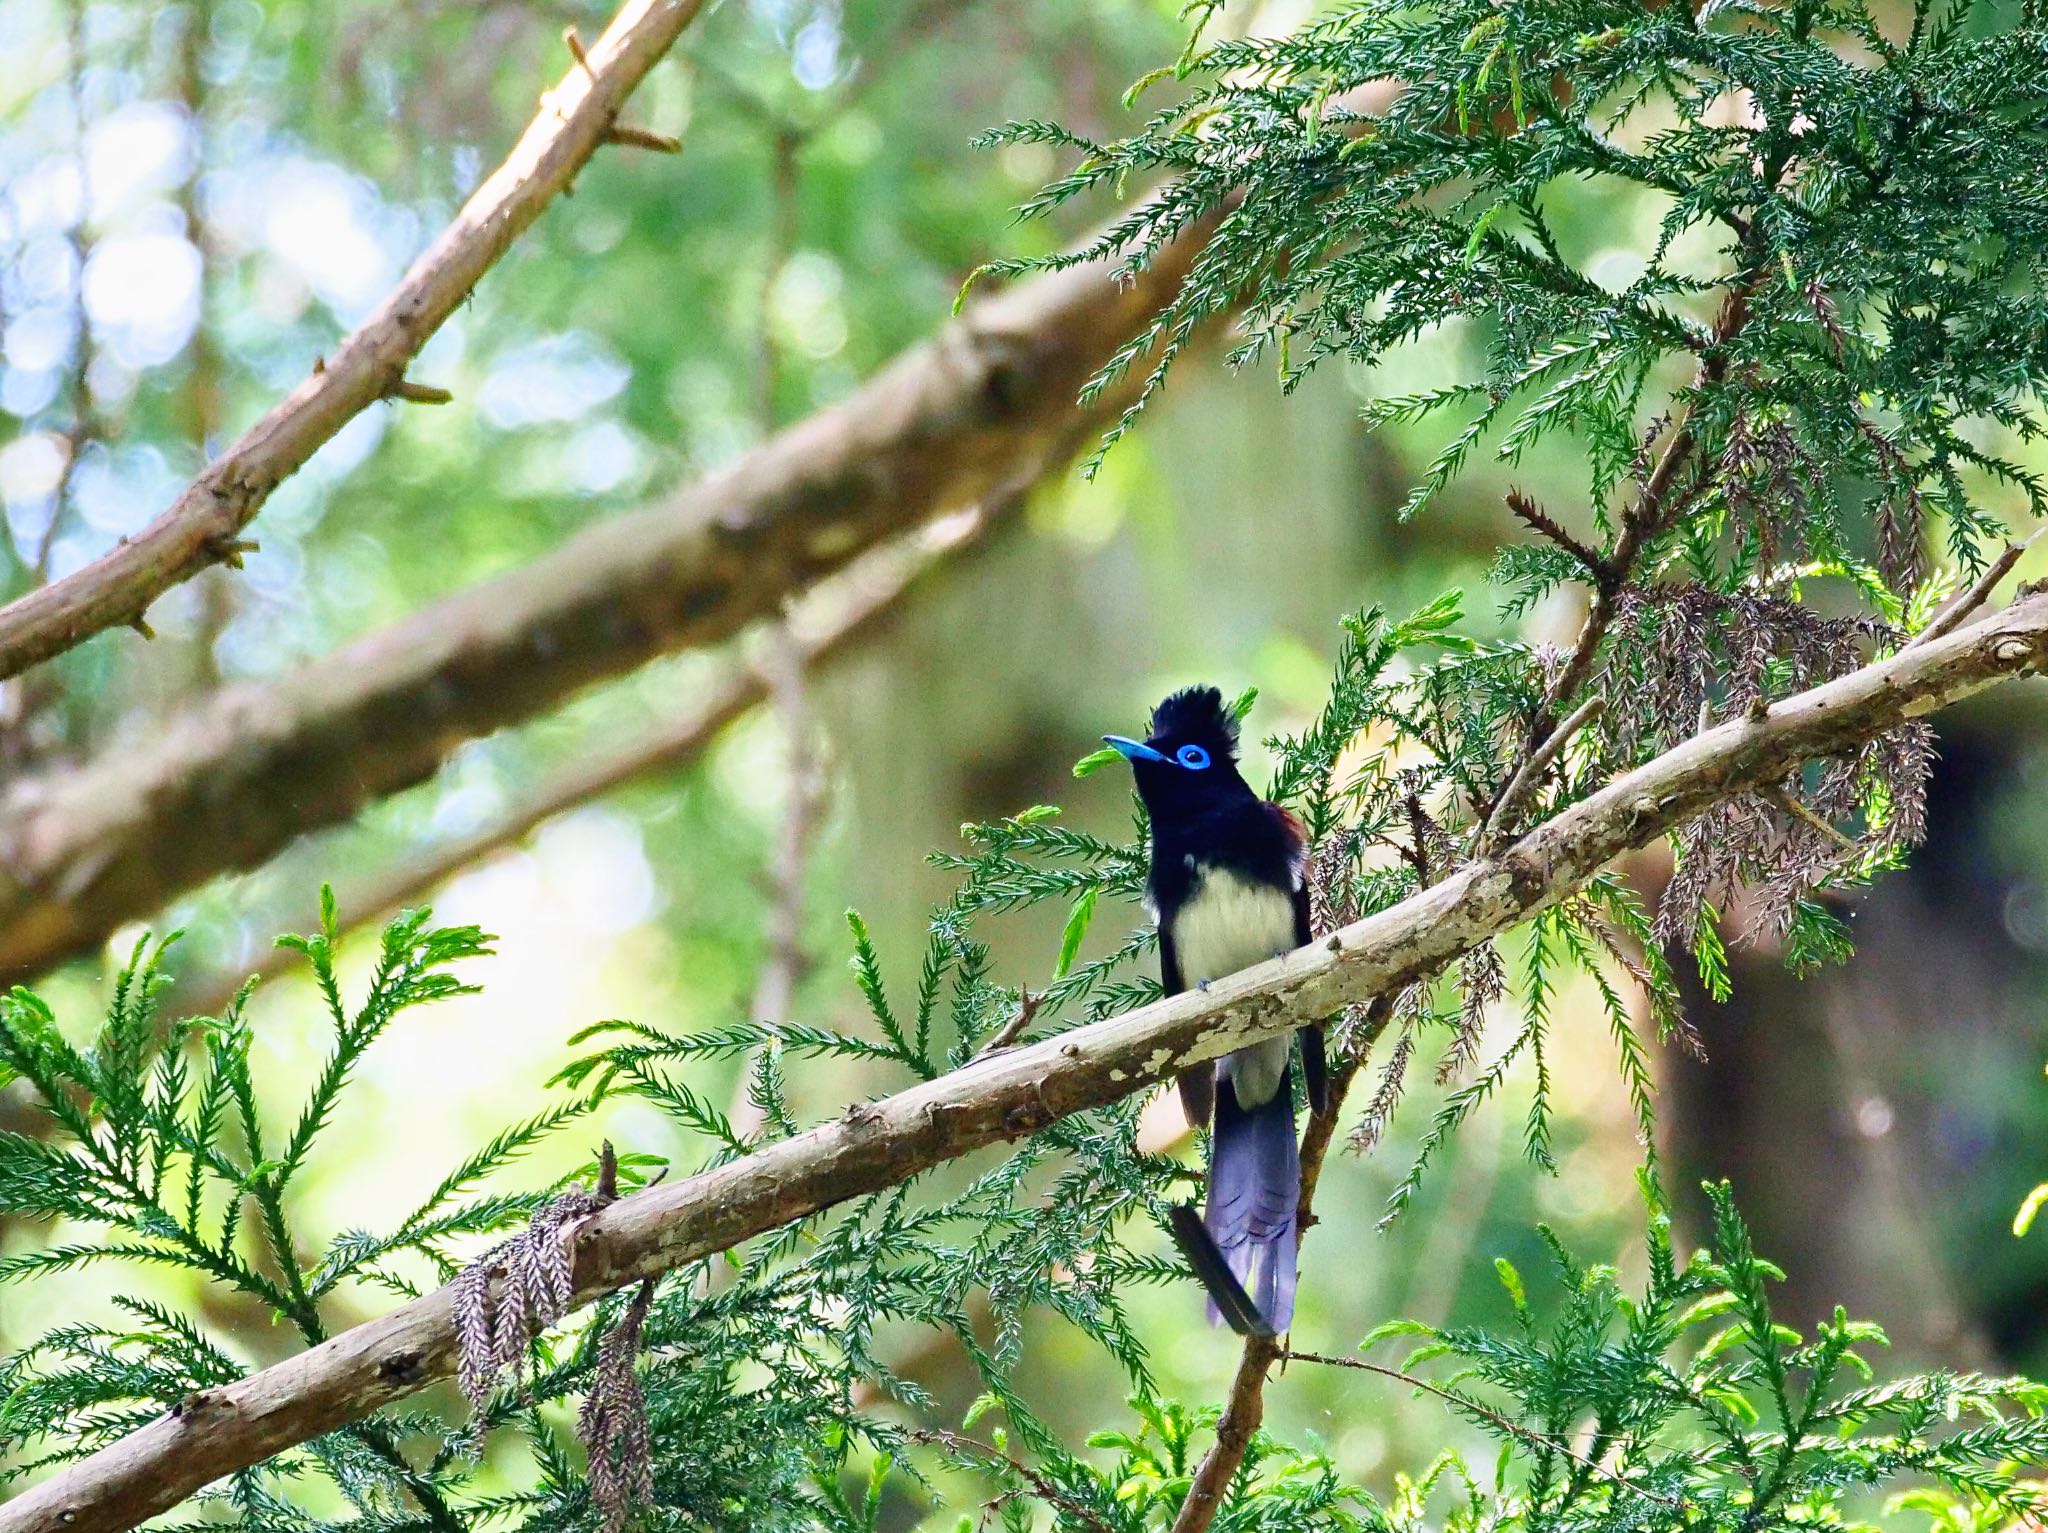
(1228, 887)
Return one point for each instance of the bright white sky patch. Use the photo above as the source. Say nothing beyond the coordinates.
(30, 467)
(596, 870)
(118, 491)
(138, 151)
(143, 294)
(558, 378)
(321, 221)
(39, 339)
(600, 457)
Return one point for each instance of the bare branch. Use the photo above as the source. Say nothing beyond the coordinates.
(1531, 771)
(573, 120)
(839, 612)
(419, 393)
(1540, 521)
(1778, 794)
(1962, 605)
(980, 412)
(1019, 1092)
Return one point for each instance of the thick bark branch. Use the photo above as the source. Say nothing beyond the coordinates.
(823, 623)
(199, 528)
(968, 418)
(880, 1144)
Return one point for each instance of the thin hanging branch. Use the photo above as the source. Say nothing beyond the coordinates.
(194, 533)
(875, 1145)
(783, 961)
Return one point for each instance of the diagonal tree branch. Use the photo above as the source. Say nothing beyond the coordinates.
(880, 1144)
(826, 621)
(979, 412)
(200, 527)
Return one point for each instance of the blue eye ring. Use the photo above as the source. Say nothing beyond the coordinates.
(1193, 757)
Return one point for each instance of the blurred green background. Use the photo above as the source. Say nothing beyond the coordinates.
(197, 198)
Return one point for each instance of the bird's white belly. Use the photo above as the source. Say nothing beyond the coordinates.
(1228, 923)
(1225, 924)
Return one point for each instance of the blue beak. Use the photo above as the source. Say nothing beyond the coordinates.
(1134, 750)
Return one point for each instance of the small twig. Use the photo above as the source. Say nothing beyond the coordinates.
(418, 393)
(1467, 1403)
(1012, 1030)
(1780, 796)
(1531, 771)
(575, 46)
(1402, 850)
(989, 1453)
(1958, 607)
(1541, 521)
(643, 138)
(1418, 831)
(229, 551)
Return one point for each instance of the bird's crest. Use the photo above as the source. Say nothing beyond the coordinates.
(1196, 713)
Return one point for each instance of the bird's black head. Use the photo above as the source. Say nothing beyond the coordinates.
(1187, 761)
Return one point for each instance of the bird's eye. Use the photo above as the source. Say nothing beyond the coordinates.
(1193, 757)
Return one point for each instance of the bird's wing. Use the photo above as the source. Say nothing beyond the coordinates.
(1197, 1086)
(1315, 1069)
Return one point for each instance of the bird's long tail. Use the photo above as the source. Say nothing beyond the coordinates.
(1243, 1249)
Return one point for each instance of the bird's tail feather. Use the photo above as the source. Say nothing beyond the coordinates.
(1228, 1301)
(1243, 1250)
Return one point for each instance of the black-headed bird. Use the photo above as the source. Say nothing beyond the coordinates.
(1229, 888)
